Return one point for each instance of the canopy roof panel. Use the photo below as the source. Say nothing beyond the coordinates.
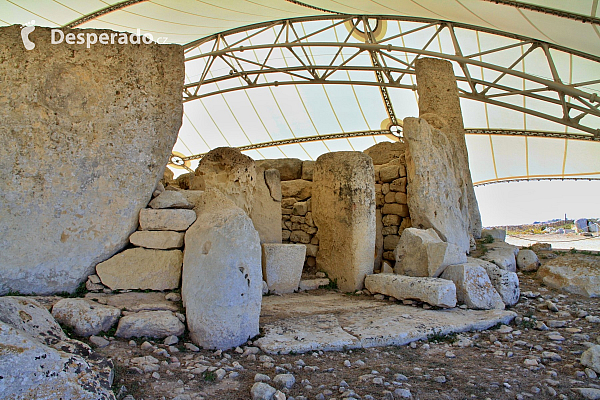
(284, 78)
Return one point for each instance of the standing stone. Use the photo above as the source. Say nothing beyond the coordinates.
(421, 252)
(222, 277)
(273, 181)
(266, 212)
(437, 193)
(231, 172)
(438, 98)
(140, 268)
(282, 266)
(81, 152)
(343, 204)
(435, 291)
(86, 317)
(473, 287)
(297, 188)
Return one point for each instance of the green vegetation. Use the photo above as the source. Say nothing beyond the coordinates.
(332, 285)
(487, 239)
(79, 292)
(439, 337)
(209, 376)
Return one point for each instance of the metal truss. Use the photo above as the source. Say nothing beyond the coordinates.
(548, 178)
(236, 60)
(101, 12)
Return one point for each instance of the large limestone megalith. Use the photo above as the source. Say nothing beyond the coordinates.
(343, 204)
(222, 274)
(439, 104)
(86, 134)
(266, 208)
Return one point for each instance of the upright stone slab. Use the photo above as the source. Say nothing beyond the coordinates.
(266, 211)
(86, 134)
(343, 203)
(231, 172)
(438, 100)
(222, 277)
(436, 190)
(282, 266)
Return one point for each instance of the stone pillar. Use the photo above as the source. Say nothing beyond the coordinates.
(86, 134)
(343, 204)
(439, 104)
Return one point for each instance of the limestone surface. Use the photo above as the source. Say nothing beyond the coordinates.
(282, 266)
(297, 188)
(573, 273)
(308, 168)
(33, 370)
(496, 234)
(170, 199)
(80, 154)
(437, 186)
(421, 252)
(231, 172)
(527, 260)
(312, 284)
(273, 181)
(505, 282)
(591, 358)
(160, 240)
(343, 204)
(266, 211)
(384, 152)
(502, 254)
(155, 324)
(473, 287)
(166, 220)
(140, 268)
(435, 291)
(222, 277)
(289, 168)
(84, 316)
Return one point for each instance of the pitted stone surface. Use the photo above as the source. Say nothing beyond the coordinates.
(140, 268)
(473, 286)
(80, 154)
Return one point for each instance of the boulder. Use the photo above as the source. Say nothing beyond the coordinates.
(344, 211)
(505, 282)
(497, 234)
(273, 182)
(502, 254)
(222, 277)
(170, 199)
(384, 152)
(33, 370)
(591, 358)
(266, 212)
(308, 168)
(155, 324)
(581, 225)
(160, 240)
(421, 252)
(435, 291)
(232, 173)
(297, 188)
(437, 189)
(541, 246)
(282, 266)
(527, 260)
(473, 286)
(166, 220)
(573, 273)
(86, 317)
(140, 268)
(289, 168)
(79, 157)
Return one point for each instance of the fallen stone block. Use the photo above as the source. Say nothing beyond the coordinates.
(421, 252)
(502, 254)
(312, 284)
(140, 268)
(505, 282)
(573, 273)
(86, 317)
(282, 266)
(527, 260)
(155, 324)
(473, 287)
(166, 220)
(434, 291)
(159, 240)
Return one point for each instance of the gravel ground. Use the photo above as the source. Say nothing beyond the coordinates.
(536, 357)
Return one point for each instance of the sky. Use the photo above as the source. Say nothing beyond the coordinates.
(517, 203)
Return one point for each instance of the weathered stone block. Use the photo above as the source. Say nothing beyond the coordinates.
(155, 324)
(308, 168)
(273, 182)
(170, 199)
(396, 209)
(297, 188)
(505, 282)
(502, 254)
(390, 230)
(140, 268)
(398, 185)
(573, 273)
(473, 287)
(391, 220)
(390, 242)
(289, 168)
(344, 212)
(166, 220)
(80, 154)
(422, 253)
(300, 237)
(434, 291)
(527, 260)
(266, 212)
(86, 317)
(160, 240)
(300, 208)
(282, 266)
(388, 173)
(384, 152)
(222, 278)
(498, 234)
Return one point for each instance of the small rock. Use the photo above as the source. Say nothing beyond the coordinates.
(99, 341)
(284, 380)
(262, 391)
(440, 379)
(556, 324)
(403, 393)
(588, 393)
(551, 356)
(171, 340)
(146, 346)
(191, 347)
(593, 319)
(173, 296)
(261, 378)
(551, 306)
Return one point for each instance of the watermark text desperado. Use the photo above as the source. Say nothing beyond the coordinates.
(92, 38)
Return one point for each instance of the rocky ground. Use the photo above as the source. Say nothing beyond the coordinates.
(537, 356)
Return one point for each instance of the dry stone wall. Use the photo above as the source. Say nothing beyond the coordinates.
(86, 134)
